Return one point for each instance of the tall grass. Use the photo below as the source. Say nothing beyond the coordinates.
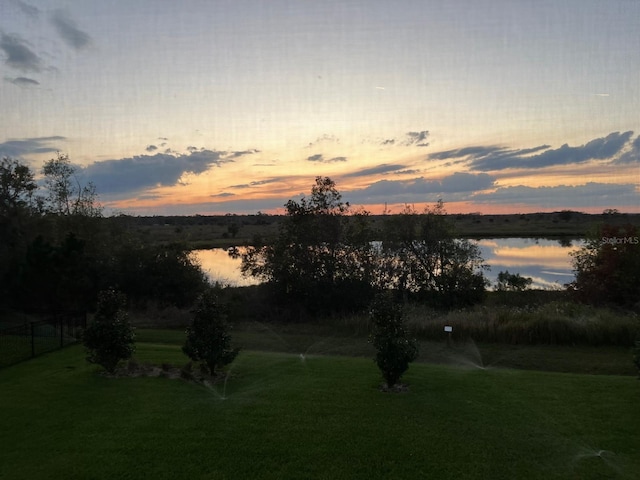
(554, 323)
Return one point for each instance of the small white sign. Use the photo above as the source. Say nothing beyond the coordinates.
(448, 329)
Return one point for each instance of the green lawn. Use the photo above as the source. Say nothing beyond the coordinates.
(282, 416)
(320, 339)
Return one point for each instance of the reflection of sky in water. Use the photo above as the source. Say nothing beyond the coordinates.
(220, 267)
(547, 262)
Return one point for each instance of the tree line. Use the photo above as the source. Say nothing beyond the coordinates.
(57, 253)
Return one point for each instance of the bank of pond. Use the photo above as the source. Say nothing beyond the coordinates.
(547, 262)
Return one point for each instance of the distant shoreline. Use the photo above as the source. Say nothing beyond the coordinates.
(223, 231)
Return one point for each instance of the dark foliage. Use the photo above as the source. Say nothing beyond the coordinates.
(607, 268)
(109, 338)
(390, 338)
(512, 282)
(322, 259)
(208, 339)
(421, 258)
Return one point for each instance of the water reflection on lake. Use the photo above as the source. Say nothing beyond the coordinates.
(547, 262)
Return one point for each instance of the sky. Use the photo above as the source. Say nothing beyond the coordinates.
(236, 106)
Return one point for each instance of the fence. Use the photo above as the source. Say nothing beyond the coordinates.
(29, 340)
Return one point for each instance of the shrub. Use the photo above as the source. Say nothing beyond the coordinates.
(512, 282)
(110, 338)
(607, 268)
(389, 337)
(208, 338)
(636, 355)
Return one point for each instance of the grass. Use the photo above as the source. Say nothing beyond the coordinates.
(317, 417)
(309, 339)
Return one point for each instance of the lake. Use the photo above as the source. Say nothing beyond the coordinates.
(547, 262)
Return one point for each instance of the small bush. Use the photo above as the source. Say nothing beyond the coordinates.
(110, 338)
(208, 338)
(389, 337)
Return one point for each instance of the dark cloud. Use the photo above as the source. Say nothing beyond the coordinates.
(240, 153)
(632, 155)
(592, 194)
(492, 158)
(27, 9)
(417, 139)
(224, 195)
(68, 31)
(257, 183)
(476, 152)
(148, 171)
(318, 157)
(22, 81)
(29, 146)
(415, 190)
(380, 169)
(152, 148)
(19, 55)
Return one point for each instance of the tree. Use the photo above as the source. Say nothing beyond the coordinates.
(208, 338)
(389, 336)
(322, 256)
(66, 195)
(17, 186)
(422, 257)
(17, 189)
(109, 338)
(607, 267)
(512, 282)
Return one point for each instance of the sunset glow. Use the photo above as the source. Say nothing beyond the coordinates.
(235, 107)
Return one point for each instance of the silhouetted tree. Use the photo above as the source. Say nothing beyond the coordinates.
(110, 337)
(512, 282)
(421, 257)
(395, 350)
(322, 256)
(208, 338)
(607, 267)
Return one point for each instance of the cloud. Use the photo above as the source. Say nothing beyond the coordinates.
(324, 139)
(417, 139)
(632, 155)
(68, 31)
(257, 183)
(19, 55)
(415, 190)
(215, 207)
(591, 194)
(29, 146)
(380, 169)
(492, 158)
(22, 81)
(240, 153)
(148, 171)
(153, 148)
(27, 9)
(318, 157)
